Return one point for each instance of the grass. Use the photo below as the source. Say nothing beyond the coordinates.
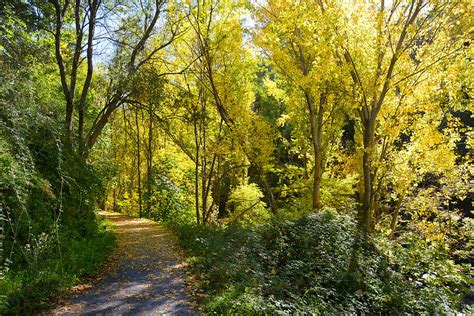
(27, 291)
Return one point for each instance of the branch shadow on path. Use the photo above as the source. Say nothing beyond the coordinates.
(146, 275)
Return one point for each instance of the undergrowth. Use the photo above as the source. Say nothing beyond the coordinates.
(49, 236)
(26, 290)
(315, 266)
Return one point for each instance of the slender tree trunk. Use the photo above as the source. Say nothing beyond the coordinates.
(316, 120)
(268, 191)
(114, 207)
(138, 166)
(204, 162)
(221, 188)
(365, 218)
(94, 6)
(75, 64)
(196, 170)
(150, 160)
(60, 62)
(393, 223)
(319, 152)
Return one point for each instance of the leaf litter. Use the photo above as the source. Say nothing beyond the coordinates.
(145, 275)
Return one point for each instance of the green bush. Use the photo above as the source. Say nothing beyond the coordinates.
(316, 265)
(49, 235)
(26, 290)
(165, 199)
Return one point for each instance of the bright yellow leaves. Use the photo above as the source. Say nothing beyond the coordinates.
(273, 90)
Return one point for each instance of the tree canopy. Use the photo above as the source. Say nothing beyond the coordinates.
(293, 122)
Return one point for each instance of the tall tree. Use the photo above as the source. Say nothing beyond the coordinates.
(298, 38)
(134, 49)
(225, 65)
(403, 41)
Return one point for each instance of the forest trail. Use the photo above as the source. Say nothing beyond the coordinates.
(143, 276)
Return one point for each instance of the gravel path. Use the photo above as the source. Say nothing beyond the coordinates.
(144, 275)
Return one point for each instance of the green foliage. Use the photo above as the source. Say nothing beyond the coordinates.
(58, 262)
(248, 206)
(49, 233)
(317, 265)
(190, 128)
(423, 277)
(165, 199)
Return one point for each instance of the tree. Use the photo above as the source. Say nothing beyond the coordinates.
(404, 41)
(215, 96)
(226, 75)
(134, 49)
(298, 39)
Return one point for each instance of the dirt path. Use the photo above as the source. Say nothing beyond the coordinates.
(145, 277)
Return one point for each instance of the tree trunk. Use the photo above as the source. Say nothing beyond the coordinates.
(150, 160)
(316, 122)
(365, 217)
(138, 167)
(196, 170)
(115, 200)
(94, 6)
(269, 193)
(393, 223)
(59, 12)
(99, 125)
(204, 162)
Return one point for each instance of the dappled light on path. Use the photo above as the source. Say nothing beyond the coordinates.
(144, 275)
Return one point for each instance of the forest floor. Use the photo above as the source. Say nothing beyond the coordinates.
(145, 275)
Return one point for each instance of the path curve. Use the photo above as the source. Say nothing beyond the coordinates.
(145, 277)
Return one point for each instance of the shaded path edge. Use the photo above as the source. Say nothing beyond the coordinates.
(110, 264)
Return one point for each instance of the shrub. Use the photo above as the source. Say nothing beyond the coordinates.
(248, 207)
(58, 266)
(49, 234)
(165, 200)
(317, 265)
